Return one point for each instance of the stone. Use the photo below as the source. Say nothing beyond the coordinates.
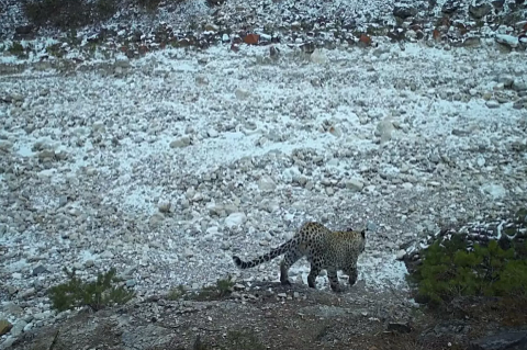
(5, 146)
(5, 327)
(16, 97)
(451, 6)
(28, 293)
(399, 327)
(106, 254)
(519, 85)
(242, 94)
(6, 344)
(235, 219)
(12, 309)
(164, 206)
(508, 40)
(39, 270)
(266, 184)
(495, 191)
(24, 29)
(508, 339)
(400, 254)
(480, 9)
(492, 104)
(210, 27)
(181, 142)
(18, 328)
(384, 130)
(187, 253)
(318, 56)
(404, 10)
(354, 184)
(130, 283)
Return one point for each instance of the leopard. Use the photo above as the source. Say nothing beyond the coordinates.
(325, 249)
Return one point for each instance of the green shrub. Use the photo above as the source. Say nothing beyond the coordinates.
(96, 294)
(149, 5)
(449, 269)
(176, 293)
(222, 289)
(16, 49)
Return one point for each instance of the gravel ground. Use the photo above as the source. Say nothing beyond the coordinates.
(165, 166)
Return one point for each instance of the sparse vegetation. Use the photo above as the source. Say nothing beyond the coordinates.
(71, 14)
(222, 289)
(176, 293)
(96, 294)
(200, 345)
(243, 340)
(68, 14)
(452, 269)
(16, 49)
(149, 5)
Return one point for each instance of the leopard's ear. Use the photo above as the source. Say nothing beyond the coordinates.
(363, 233)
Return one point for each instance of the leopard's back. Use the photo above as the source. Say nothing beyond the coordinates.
(333, 249)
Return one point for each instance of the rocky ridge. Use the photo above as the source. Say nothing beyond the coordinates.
(307, 25)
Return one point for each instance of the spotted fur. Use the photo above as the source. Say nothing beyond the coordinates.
(324, 249)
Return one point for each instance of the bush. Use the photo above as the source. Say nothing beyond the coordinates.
(96, 294)
(73, 14)
(222, 289)
(68, 14)
(176, 293)
(450, 269)
(17, 49)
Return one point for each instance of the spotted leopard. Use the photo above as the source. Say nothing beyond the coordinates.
(324, 249)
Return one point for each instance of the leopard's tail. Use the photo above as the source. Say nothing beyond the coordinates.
(263, 258)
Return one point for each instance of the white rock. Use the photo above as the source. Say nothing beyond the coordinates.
(384, 130)
(181, 142)
(6, 344)
(400, 254)
(492, 104)
(187, 253)
(266, 184)
(235, 219)
(212, 133)
(18, 328)
(291, 174)
(354, 184)
(506, 39)
(106, 254)
(242, 94)
(318, 56)
(495, 191)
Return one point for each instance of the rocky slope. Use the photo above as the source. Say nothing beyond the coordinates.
(119, 150)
